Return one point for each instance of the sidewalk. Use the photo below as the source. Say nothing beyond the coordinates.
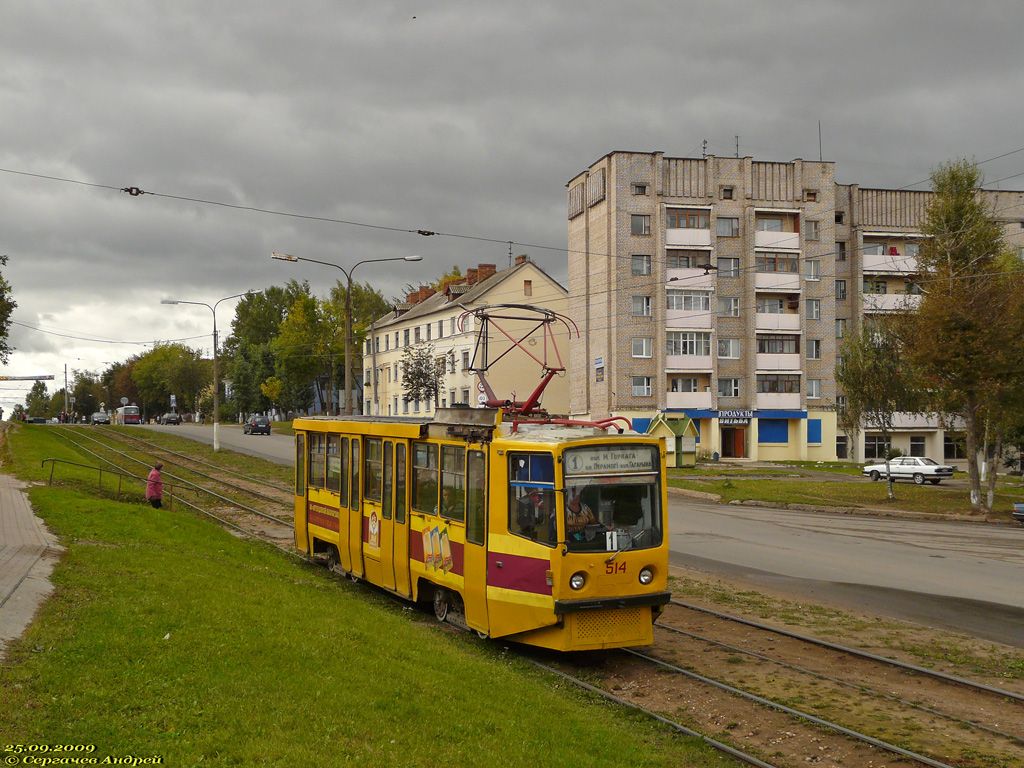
(28, 553)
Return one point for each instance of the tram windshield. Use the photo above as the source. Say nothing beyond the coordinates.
(612, 499)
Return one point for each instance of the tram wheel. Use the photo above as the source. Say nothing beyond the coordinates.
(441, 604)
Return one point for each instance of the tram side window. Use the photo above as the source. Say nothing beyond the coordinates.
(344, 472)
(424, 478)
(355, 474)
(317, 451)
(389, 480)
(300, 464)
(453, 490)
(372, 472)
(399, 483)
(476, 486)
(531, 502)
(333, 464)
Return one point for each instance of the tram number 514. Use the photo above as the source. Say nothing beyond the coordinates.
(611, 568)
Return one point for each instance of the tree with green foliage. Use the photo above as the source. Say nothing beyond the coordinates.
(965, 337)
(37, 401)
(171, 369)
(368, 304)
(421, 374)
(877, 381)
(299, 356)
(7, 306)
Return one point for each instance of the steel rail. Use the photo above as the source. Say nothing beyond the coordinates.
(679, 727)
(182, 481)
(257, 494)
(855, 652)
(857, 735)
(155, 446)
(844, 683)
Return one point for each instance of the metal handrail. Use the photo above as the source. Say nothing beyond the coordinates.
(168, 488)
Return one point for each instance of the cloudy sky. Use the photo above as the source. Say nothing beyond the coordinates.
(465, 118)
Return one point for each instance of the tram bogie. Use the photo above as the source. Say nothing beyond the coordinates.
(545, 534)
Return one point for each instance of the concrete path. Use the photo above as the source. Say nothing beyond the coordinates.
(28, 553)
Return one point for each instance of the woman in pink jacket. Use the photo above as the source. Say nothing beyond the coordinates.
(155, 486)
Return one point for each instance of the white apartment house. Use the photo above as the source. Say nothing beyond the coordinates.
(720, 289)
(442, 320)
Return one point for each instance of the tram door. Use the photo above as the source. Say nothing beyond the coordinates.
(400, 539)
(387, 533)
(301, 507)
(355, 517)
(475, 552)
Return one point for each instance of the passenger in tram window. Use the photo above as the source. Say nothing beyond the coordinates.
(536, 516)
(450, 506)
(578, 516)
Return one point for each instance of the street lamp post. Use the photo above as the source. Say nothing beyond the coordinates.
(348, 308)
(216, 370)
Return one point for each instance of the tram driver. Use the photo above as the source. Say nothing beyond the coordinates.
(536, 515)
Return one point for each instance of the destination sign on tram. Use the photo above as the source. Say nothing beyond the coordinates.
(600, 460)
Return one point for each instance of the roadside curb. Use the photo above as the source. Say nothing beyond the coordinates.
(704, 495)
(867, 511)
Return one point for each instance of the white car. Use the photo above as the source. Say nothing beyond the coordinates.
(911, 468)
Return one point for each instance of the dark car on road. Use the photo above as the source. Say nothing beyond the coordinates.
(256, 425)
(100, 417)
(170, 418)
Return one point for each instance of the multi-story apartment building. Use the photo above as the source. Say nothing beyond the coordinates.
(721, 289)
(441, 320)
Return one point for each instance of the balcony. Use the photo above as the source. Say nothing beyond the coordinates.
(888, 264)
(688, 362)
(789, 241)
(688, 400)
(690, 278)
(778, 362)
(778, 401)
(890, 302)
(777, 281)
(688, 238)
(688, 318)
(773, 321)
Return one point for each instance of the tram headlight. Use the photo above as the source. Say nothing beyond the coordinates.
(646, 576)
(577, 580)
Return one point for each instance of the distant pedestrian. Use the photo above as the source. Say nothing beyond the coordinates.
(155, 486)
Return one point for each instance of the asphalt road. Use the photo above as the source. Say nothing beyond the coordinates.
(962, 576)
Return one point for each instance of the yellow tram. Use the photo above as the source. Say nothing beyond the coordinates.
(549, 533)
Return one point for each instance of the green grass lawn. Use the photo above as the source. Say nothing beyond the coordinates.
(928, 499)
(168, 636)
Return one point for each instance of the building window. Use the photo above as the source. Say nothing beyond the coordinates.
(840, 251)
(727, 226)
(451, 326)
(768, 223)
(778, 383)
(728, 306)
(814, 349)
(953, 446)
(465, 395)
(387, 342)
(527, 287)
(687, 343)
(641, 386)
(917, 445)
(729, 267)
(639, 224)
(812, 269)
(405, 338)
(677, 259)
(873, 249)
(875, 447)
(682, 384)
(840, 403)
(912, 250)
(810, 195)
(643, 347)
(814, 309)
(842, 449)
(728, 387)
(840, 290)
(840, 217)
(639, 189)
(394, 409)
(451, 396)
(781, 344)
(776, 262)
(641, 306)
(729, 349)
(770, 306)
(416, 334)
(875, 286)
(813, 389)
(428, 331)
(699, 301)
(727, 193)
(840, 328)
(465, 359)
(681, 218)
(812, 230)
(405, 405)
(641, 264)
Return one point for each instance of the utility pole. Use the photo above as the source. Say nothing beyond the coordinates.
(65, 388)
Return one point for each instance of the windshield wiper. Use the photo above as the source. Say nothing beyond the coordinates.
(632, 540)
